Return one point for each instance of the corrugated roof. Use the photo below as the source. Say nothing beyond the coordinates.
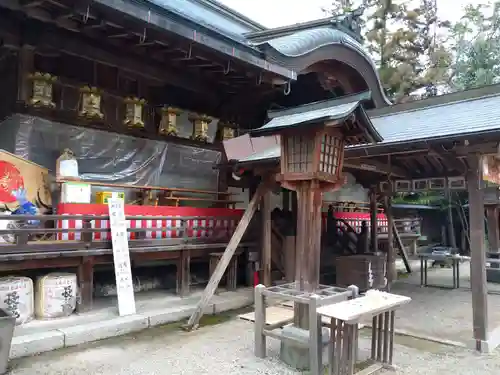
(451, 119)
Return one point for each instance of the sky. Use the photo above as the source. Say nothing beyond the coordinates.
(274, 13)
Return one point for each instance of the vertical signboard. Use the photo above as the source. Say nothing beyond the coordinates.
(121, 257)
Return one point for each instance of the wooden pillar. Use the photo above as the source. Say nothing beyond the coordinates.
(265, 208)
(493, 229)
(477, 250)
(26, 66)
(451, 226)
(390, 259)
(290, 257)
(286, 199)
(373, 220)
(308, 244)
(85, 274)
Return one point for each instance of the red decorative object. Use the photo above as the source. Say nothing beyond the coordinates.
(208, 218)
(10, 180)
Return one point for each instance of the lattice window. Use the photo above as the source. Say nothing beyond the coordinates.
(300, 150)
(331, 154)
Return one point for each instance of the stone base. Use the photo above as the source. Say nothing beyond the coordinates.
(295, 355)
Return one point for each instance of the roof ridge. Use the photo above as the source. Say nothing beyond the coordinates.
(237, 16)
(437, 105)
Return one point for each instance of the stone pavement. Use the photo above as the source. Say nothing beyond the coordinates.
(153, 309)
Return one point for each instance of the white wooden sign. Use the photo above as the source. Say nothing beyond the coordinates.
(121, 256)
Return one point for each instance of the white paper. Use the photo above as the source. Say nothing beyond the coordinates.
(75, 193)
(121, 257)
(68, 168)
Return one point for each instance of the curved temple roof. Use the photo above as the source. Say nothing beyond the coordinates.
(299, 50)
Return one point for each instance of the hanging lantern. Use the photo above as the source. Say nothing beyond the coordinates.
(200, 126)
(168, 123)
(42, 90)
(227, 130)
(134, 112)
(90, 103)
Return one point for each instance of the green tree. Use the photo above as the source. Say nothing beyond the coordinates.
(406, 44)
(476, 47)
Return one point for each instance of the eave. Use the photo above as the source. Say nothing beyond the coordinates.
(154, 16)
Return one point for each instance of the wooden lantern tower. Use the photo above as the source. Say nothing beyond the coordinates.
(313, 138)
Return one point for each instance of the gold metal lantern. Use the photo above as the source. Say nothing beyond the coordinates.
(134, 112)
(42, 90)
(200, 126)
(227, 130)
(168, 122)
(90, 103)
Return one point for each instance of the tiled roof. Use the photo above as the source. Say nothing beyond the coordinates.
(440, 121)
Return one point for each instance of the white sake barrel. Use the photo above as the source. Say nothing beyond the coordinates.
(16, 297)
(55, 295)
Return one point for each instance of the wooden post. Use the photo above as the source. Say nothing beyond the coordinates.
(391, 266)
(308, 245)
(26, 66)
(85, 275)
(493, 229)
(373, 220)
(451, 227)
(266, 234)
(226, 258)
(290, 256)
(286, 199)
(478, 253)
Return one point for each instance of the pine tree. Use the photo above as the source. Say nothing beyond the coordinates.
(476, 47)
(406, 45)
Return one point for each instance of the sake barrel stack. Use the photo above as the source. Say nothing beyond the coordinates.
(16, 297)
(55, 295)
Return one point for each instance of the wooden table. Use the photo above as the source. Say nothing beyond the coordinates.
(455, 265)
(345, 317)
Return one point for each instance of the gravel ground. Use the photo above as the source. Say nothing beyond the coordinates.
(226, 349)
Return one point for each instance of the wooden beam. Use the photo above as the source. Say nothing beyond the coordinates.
(375, 166)
(478, 253)
(451, 225)
(493, 228)
(450, 158)
(373, 220)
(109, 55)
(265, 209)
(26, 63)
(227, 256)
(390, 265)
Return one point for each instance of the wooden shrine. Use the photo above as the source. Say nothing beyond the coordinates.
(312, 149)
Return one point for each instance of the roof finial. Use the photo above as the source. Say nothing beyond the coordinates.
(351, 22)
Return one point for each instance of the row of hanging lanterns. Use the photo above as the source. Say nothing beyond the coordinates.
(90, 108)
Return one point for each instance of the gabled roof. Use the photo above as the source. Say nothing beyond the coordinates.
(320, 112)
